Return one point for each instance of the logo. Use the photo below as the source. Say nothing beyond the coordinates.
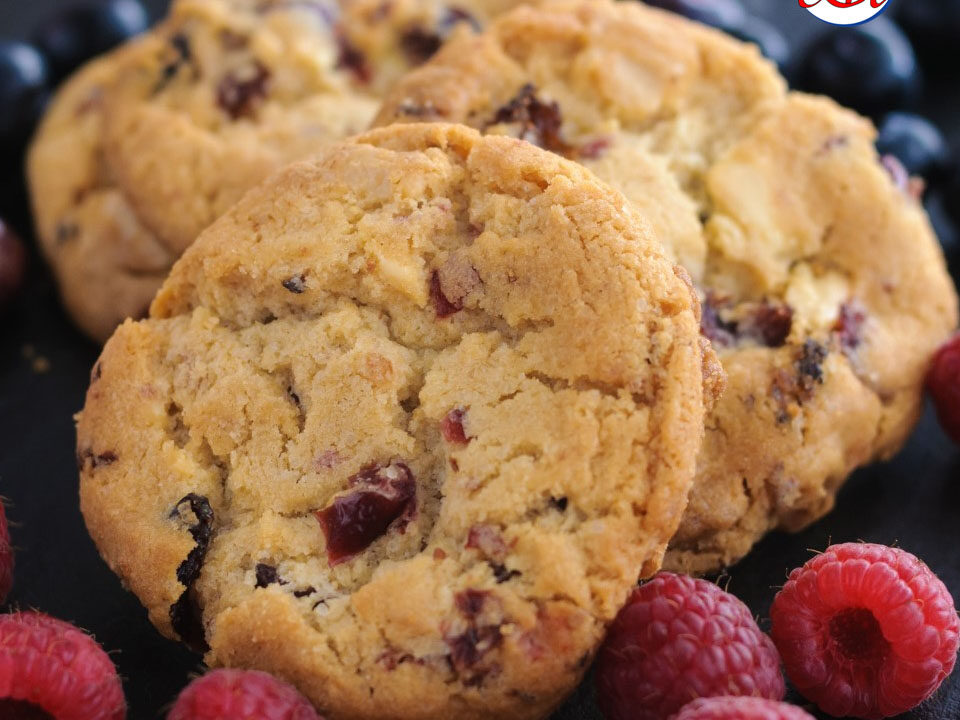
(844, 12)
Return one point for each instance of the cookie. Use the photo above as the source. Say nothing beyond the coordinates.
(147, 146)
(404, 427)
(107, 263)
(824, 288)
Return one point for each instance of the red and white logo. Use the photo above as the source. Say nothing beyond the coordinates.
(844, 12)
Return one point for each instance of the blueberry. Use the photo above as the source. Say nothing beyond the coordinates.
(934, 26)
(937, 205)
(952, 196)
(83, 31)
(916, 142)
(716, 13)
(767, 37)
(23, 89)
(871, 68)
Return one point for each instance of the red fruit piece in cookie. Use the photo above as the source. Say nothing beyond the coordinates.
(865, 630)
(452, 427)
(382, 496)
(49, 666)
(678, 639)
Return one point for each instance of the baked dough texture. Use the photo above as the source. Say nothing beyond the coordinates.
(143, 148)
(825, 291)
(403, 427)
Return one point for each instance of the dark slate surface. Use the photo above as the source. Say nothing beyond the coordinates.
(913, 501)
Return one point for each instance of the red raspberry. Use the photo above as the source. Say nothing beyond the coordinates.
(679, 639)
(740, 708)
(6, 557)
(231, 694)
(865, 630)
(58, 668)
(943, 382)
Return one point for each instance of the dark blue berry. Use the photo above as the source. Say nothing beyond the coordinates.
(716, 13)
(23, 90)
(915, 142)
(767, 37)
(936, 204)
(934, 26)
(952, 196)
(871, 68)
(83, 31)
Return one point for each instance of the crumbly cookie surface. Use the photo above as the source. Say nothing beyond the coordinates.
(824, 288)
(145, 147)
(404, 427)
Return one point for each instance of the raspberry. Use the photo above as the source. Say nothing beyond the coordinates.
(740, 708)
(236, 694)
(679, 639)
(943, 382)
(865, 630)
(6, 557)
(57, 668)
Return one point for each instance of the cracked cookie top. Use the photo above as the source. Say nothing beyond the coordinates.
(145, 147)
(824, 288)
(403, 427)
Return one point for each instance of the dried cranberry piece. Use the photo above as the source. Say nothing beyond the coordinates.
(768, 324)
(420, 44)
(712, 326)
(470, 602)
(352, 59)
(238, 94)
(477, 636)
(594, 149)
(488, 540)
(468, 648)
(385, 495)
(452, 427)
(849, 325)
(443, 305)
(539, 121)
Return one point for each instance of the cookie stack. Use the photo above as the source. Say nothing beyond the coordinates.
(410, 416)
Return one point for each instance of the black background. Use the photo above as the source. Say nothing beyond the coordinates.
(914, 501)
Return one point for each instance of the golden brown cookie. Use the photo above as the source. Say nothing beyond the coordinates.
(404, 427)
(825, 289)
(147, 146)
